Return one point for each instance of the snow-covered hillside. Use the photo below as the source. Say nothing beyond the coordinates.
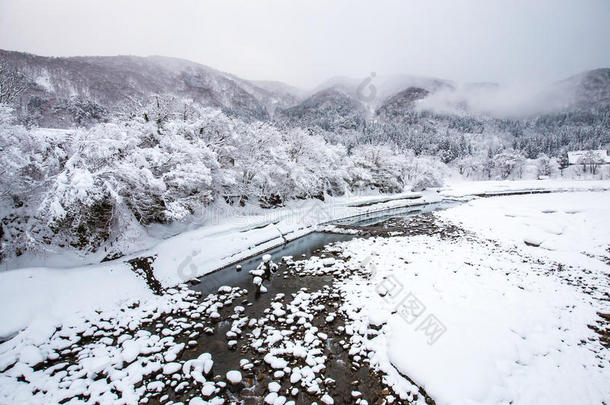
(63, 92)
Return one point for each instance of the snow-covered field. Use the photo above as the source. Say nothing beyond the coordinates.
(462, 188)
(497, 313)
(570, 228)
(493, 321)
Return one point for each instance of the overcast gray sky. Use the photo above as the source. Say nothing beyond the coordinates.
(305, 42)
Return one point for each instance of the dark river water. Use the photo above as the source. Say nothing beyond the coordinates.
(303, 247)
(348, 376)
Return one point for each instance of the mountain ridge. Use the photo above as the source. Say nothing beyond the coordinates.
(57, 85)
(83, 90)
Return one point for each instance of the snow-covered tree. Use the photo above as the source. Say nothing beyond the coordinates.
(12, 84)
(546, 166)
(563, 162)
(508, 164)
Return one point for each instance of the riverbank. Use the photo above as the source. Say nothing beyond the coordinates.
(508, 304)
(428, 308)
(43, 294)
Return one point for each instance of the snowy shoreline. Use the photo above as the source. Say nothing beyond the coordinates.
(54, 293)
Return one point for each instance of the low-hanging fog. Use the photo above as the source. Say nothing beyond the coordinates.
(303, 43)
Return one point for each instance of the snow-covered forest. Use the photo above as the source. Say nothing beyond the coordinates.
(80, 172)
(169, 159)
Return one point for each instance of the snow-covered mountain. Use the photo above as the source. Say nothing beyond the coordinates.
(80, 91)
(586, 91)
(383, 86)
(331, 109)
(63, 92)
(405, 99)
(589, 89)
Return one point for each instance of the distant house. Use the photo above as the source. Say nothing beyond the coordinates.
(582, 157)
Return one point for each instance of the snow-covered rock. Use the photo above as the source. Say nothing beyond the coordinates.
(234, 377)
